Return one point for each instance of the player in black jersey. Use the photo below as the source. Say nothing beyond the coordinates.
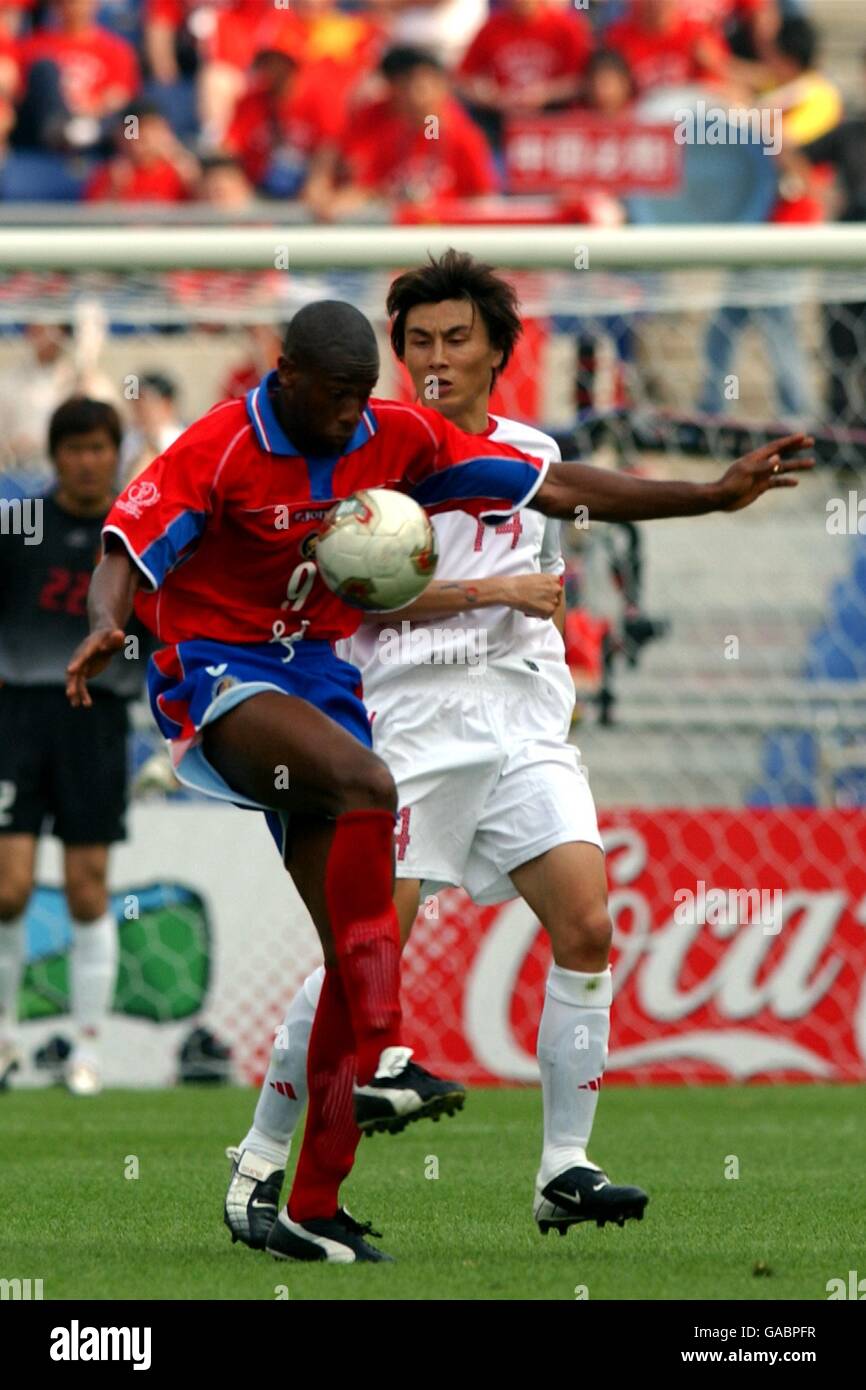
(61, 769)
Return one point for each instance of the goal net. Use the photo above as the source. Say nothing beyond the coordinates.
(719, 663)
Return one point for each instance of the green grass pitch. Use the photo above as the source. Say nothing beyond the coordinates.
(72, 1218)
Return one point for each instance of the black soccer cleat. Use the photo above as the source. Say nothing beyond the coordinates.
(253, 1197)
(53, 1057)
(401, 1092)
(339, 1240)
(585, 1194)
(10, 1062)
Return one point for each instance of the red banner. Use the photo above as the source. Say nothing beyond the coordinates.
(579, 151)
(739, 955)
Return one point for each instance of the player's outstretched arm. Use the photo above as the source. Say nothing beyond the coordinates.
(109, 605)
(621, 497)
(536, 595)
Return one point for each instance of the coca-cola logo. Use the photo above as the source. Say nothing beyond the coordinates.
(716, 993)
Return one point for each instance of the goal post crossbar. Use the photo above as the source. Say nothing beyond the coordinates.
(334, 248)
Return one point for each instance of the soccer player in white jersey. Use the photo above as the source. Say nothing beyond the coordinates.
(475, 732)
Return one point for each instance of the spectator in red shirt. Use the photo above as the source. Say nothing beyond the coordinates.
(12, 13)
(608, 86)
(280, 122)
(152, 166)
(223, 184)
(265, 345)
(78, 77)
(416, 146)
(665, 47)
(527, 57)
(162, 20)
(9, 69)
(749, 28)
(312, 31)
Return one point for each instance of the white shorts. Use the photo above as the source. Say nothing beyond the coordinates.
(485, 776)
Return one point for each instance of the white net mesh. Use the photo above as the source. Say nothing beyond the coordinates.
(720, 663)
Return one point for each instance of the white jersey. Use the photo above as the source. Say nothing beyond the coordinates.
(500, 637)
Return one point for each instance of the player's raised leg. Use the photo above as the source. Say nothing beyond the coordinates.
(567, 889)
(259, 1161)
(313, 1225)
(346, 880)
(272, 739)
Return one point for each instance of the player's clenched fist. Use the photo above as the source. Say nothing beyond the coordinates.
(536, 595)
(89, 658)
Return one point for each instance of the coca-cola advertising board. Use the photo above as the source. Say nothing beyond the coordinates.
(739, 954)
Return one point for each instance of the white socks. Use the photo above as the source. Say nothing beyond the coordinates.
(92, 978)
(284, 1089)
(572, 1050)
(12, 947)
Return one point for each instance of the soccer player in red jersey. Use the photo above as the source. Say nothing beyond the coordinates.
(214, 546)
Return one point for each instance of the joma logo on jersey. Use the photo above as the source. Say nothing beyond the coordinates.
(311, 513)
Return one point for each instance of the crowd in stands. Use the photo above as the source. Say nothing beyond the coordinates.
(337, 104)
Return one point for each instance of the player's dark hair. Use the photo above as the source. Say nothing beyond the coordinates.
(334, 337)
(456, 275)
(797, 39)
(80, 415)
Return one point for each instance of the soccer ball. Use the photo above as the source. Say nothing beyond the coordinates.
(377, 550)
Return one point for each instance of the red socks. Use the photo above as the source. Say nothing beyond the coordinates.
(331, 1135)
(366, 932)
(359, 1009)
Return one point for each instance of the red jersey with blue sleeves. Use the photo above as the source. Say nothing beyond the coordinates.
(222, 526)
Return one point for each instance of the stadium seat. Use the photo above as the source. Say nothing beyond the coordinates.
(177, 102)
(838, 649)
(29, 176)
(122, 17)
(790, 771)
